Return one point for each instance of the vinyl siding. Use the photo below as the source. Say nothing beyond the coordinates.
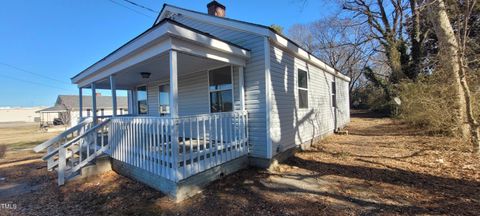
(254, 79)
(290, 125)
(193, 94)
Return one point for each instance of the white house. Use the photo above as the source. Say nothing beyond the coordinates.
(237, 93)
(67, 108)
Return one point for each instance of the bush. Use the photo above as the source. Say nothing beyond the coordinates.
(372, 98)
(429, 104)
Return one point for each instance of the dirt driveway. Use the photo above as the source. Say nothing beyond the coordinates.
(381, 167)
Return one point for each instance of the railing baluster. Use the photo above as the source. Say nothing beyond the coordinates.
(184, 152)
(191, 146)
(221, 140)
(198, 168)
(204, 145)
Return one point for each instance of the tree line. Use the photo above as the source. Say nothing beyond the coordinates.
(414, 59)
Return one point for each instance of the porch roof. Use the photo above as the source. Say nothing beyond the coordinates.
(165, 35)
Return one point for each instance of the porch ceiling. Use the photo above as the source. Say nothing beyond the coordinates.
(160, 70)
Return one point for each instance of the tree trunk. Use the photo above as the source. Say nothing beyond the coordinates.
(394, 61)
(452, 62)
(416, 50)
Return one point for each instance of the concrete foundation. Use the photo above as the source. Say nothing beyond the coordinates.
(184, 188)
(101, 165)
(266, 163)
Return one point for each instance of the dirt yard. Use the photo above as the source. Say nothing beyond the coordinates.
(381, 167)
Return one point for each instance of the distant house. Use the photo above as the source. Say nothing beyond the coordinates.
(67, 108)
(237, 93)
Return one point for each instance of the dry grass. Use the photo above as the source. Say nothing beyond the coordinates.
(383, 167)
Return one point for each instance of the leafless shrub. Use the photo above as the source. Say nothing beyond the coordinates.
(3, 149)
(429, 104)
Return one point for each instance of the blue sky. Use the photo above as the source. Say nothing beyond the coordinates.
(59, 38)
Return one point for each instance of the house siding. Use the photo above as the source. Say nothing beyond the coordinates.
(290, 125)
(254, 79)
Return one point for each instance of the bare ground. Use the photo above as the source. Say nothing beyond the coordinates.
(382, 167)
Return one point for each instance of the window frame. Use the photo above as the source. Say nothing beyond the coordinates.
(158, 89)
(137, 108)
(209, 90)
(334, 93)
(303, 89)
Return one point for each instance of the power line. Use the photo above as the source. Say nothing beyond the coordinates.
(31, 82)
(131, 9)
(142, 6)
(33, 73)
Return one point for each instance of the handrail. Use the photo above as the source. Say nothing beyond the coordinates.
(59, 137)
(69, 143)
(183, 116)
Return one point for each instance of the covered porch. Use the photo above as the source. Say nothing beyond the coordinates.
(186, 110)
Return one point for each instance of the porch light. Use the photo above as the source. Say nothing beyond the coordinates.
(145, 75)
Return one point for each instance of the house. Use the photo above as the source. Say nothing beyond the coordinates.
(66, 108)
(237, 93)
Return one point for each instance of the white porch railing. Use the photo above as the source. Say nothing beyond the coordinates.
(176, 148)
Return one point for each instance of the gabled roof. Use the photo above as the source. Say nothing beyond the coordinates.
(266, 31)
(103, 102)
(165, 28)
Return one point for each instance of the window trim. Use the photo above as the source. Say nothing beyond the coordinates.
(304, 89)
(158, 97)
(209, 90)
(333, 95)
(136, 99)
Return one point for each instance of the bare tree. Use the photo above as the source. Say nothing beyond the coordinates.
(452, 58)
(340, 43)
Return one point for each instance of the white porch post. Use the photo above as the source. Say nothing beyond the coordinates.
(242, 87)
(113, 87)
(174, 112)
(94, 104)
(80, 102)
(173, 84)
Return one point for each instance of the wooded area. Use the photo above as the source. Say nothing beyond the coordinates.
(412, 59)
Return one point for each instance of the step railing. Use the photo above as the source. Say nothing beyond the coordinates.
(68, 155)
(63, 137)
(176, 148)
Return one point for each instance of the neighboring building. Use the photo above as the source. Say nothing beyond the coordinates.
(237, 93)
(19, 114)
(67, 108)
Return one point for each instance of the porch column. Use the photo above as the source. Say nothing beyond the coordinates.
(113, 87)
(80, 102)
(242, 87)
(173, 84)
(94, 104)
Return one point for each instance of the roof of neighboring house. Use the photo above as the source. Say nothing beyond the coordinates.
(71, 102)
(54, 109)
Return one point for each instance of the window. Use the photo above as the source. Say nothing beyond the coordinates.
(164, 99)
(302, 89)
(334, 93)
(142, 104)
(220, 87)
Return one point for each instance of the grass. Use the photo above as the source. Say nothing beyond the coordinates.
(20, 136)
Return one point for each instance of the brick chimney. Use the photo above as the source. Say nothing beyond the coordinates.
(216, 9)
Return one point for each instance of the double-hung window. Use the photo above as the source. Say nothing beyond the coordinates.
(334, 95)
(302, 89)
(164, 99)
(221, 90)
(142, 104)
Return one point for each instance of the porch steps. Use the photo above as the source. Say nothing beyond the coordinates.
(74, 153)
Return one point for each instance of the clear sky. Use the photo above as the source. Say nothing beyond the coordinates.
(59, 38)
